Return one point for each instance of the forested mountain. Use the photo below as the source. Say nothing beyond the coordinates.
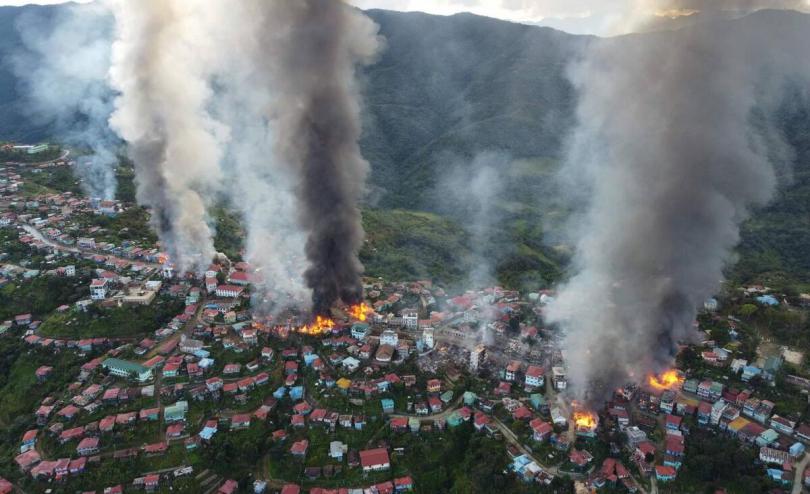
(452, 96)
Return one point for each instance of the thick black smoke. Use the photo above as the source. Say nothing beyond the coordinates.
(671, 158)
(319, 45)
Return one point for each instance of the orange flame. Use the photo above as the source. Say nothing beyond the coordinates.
(585, 420)
(666, 380)
(320, 325)
(359, 311)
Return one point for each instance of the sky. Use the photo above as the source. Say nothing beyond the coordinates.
(601, 17)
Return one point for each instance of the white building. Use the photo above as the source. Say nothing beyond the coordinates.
(337, 449)
(535, 376)
(410, 320)
(560, 381)
(477, 357)
(98, 289)
(167, 271)
(125, 368)
(717, 411)
(230, 291)
(427, 337)
(70, 270)
(389, 337)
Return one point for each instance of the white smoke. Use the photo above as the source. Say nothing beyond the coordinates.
(63, 68)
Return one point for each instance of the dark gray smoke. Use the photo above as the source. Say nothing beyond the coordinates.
(671, 158)
(320, 42)
(63, 68)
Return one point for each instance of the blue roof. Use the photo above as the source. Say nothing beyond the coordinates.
(767, 300)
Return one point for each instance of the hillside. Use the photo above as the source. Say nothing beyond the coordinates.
(447, 93)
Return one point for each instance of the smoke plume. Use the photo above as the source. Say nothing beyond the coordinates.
(469, 192)
(317, 113)
(262, 188)
(63, 69)
(670, 157)
(160, 67)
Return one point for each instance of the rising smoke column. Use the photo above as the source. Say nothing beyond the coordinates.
(318, 125)
(160, 69)
(668, 156)
(63, 68)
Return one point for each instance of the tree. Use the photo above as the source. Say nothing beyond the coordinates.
(748, 310)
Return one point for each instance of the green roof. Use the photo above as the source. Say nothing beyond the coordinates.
(124, 365)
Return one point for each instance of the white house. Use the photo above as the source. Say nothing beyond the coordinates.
(427, 337)
(389, 337)
(98, 289)
(535, 376)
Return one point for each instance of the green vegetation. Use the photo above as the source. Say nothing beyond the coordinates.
(712, 462)
(40, 295)
(21, 391)
(118, 322)
(21, 156)
(412, 245)
(51, 180)
(230, 235)
(132, 224)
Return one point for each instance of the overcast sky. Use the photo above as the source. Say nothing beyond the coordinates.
(576, 16)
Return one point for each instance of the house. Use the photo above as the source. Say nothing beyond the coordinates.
(156, 448)
(230, 486)
(559, 378)
(535, 376)
(229, 291)
(359, 331)
(43, 372)
(771, 455)
(29, 439)
(782, 425)
(337, 449)
(240, 421)
(580, 458)
(434, 386)
(27, 460)
(174, 430)
(512, 369)
(541, 430)
(88, 446)
(664, 473)
(299, 448)
(403, 484)
(151, 481)
(98, 289)
(389, 337)
(374, 459)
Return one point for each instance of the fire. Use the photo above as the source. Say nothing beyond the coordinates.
(585, 420)
(666, 380)
(318, 326)
(359, 311)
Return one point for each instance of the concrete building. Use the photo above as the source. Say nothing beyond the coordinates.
(410, 320)
(389, 337)
(98, 289)
(125, 368)
(477, 357)
(427, 337)
(559, 379)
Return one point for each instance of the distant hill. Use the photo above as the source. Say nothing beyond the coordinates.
(446, 90)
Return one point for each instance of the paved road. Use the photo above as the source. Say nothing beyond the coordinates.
(75, 250)
(799, 476)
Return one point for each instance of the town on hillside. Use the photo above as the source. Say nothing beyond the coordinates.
(139, 378)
